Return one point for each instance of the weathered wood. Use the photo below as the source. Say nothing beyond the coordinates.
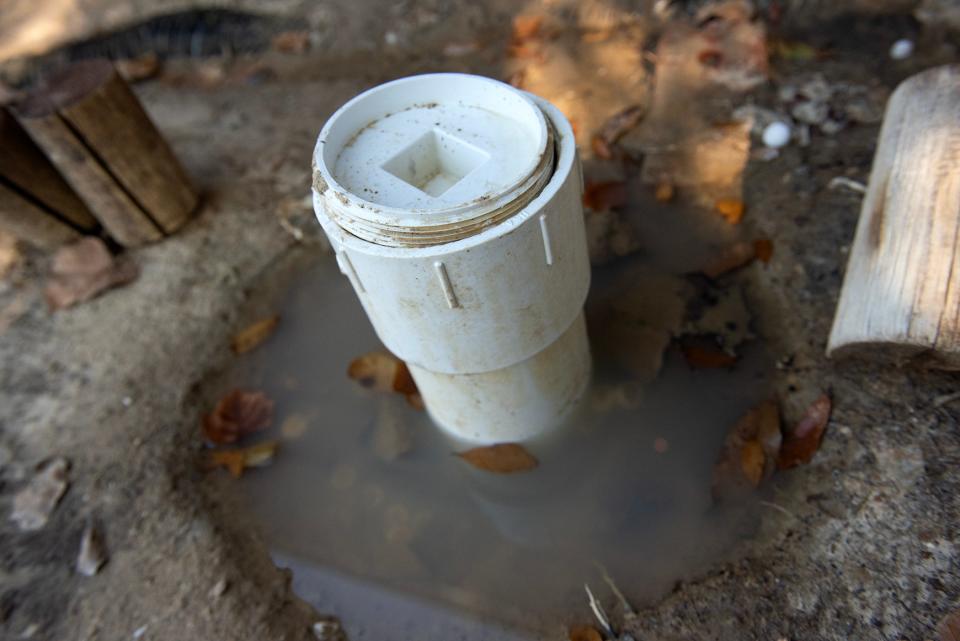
(92, 127)
(901, 293)
(24, 168)
(30, 223)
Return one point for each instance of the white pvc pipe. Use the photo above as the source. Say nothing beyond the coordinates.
(453, 203)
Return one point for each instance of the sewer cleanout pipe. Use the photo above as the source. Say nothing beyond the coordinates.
(453, 203)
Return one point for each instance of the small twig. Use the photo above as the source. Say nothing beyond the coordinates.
(842, 181)
(779, 508)
(628, 611)
(940, 401)
(599, 613)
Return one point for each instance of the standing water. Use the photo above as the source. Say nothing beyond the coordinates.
(387, 529)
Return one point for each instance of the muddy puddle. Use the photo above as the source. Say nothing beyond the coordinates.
(382, 524)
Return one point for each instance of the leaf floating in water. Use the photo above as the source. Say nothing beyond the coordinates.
(584, 633)
(730, 258)
(703, 353)
(238, 460)
(763, 249)
(237, 414)
(804, 441)
(604, 196)
(730, 208)
(502, 458)
(251, 336)
(750, 451)
(664, 192)
(384, 372)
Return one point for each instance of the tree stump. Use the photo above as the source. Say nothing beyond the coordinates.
(901, 293)
(36, 205)
(93, 129)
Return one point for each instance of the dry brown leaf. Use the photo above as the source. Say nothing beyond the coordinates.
(584, 633)
(949, 627)
(384, 372)
(237, 414)
(804, 441)
(704, 353)
(603, 196)
(240, 459)
(751, 462)
(291, 41)
(731, 209)
(730, 258)
(140, 68)
(763, 249)
(526, 27)
(252, 335)
(664, 192)
(502, 458)
(750, 451)
(81, 270)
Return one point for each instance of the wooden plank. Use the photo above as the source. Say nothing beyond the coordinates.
(901, 293)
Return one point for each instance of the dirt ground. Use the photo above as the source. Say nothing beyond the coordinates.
(862, 543)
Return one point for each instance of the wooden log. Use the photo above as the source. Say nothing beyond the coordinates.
(94, 130)
(901, 294)
(21, 217)
(24, 169)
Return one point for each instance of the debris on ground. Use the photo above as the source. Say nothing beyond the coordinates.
(776, 135)
(731, 209)
(9, 253)
(609, 236)
(603, 143)
(253, 335)
(706, 352)
(329, 629)
(237, 414)
(750, 452)
(237, 460)
(33, 505)
(93, 551)
(291, 42)
(384, 372)
(804, 440)
(584, 633)
(140, 68)
(901, 49)
(84, 269)
(738, 255)
(502, 458)
(724, 316)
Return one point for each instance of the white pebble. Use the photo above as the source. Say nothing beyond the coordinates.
(776, 135)
(901, 49)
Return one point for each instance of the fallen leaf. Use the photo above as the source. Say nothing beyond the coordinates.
(664, 192)
(730, 258)
(502, 458)
(517, 78)
(763, 249)
(523, 50)
(603, 196)
(731, 209)
(949, 627)
(751, 462)
(140, 68)
(703, 353)
(526, 27)
(804, 441)
(384, 372)
(584, 633)
(750, 451)
(82, 270)
(237, 414)
(93, 551)
(291, 41)
(252, 335)
(33, 504)
(238, 460)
